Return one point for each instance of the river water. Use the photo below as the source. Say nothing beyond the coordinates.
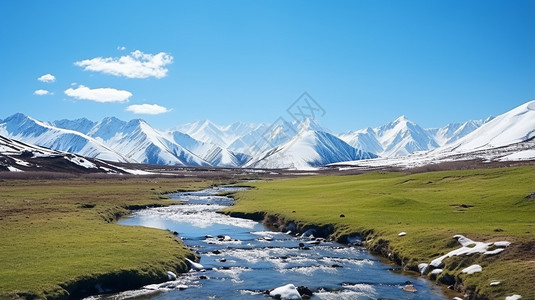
(241, 259)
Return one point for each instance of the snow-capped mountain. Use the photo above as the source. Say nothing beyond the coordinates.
(453, 131)
(403, 137)
(16, 156)
(141, 143)
(241, 137)
(507, 137)
(215, 155)
(82, 125)
(363, 139)
(283, 144)
(26, 129)
(224, 136)
(514, 126)
(308, 149)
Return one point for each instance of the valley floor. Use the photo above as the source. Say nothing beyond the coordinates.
(59, 236)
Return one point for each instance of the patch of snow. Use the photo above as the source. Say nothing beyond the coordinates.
(436, 271)
(495, 251)
(423, 268)
(194, 265)
(513, 297)
(521, 155)
(21, 162)
(288, 291)
(502, 244)
(403, 233)
(472, 269)
(81, 162)
(13, 169)
(495, 283)
(468, 247)
(135, 172)
(171, 275)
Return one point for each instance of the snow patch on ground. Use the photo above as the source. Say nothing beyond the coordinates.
(469, 247)
(472, 269)
(81, 162)
(13, 169)
(522, 155)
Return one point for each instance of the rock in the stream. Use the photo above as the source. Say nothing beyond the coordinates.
(288, 291)
(410, 288)
(305, 292)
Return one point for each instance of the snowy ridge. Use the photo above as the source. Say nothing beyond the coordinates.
(403, 137)
(514, 126)
(29, 130)
(16, 156)
(509, 136)
(307, 150)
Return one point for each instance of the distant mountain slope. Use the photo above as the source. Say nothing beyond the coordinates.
(507, 137)
(140, 142)
(514, 126)
(212, 153)
(26, 129)
(453, 131)
(403, 137)
(223, 136)
(308, 149)
(16, 156)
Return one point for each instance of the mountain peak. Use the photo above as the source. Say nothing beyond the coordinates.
(309, 124)
(16, 117)
(402, 119)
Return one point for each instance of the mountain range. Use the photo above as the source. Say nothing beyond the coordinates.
(507, 137)
(289, 145)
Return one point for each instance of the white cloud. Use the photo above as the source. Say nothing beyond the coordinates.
(135, 65)
(48, 78)
(121, 48)
(102, 95)
(41, 92)
(148, 109)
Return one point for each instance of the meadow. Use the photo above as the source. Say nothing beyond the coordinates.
(60, 239)
(485, 205)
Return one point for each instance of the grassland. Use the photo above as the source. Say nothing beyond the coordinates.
(484, 205)
(59, 238)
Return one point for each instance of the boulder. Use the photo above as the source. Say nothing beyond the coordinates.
(288, 291)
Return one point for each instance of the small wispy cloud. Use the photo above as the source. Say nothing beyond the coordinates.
(41, 92)
(48, 78)
(121, 48)
(148, 109)
(103, 95)
(135, 65)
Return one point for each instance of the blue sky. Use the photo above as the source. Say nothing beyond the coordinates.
(364, 62)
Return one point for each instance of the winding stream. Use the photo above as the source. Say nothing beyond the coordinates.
(241, 258)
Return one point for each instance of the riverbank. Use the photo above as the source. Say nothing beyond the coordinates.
(429, 208)
(59, 237)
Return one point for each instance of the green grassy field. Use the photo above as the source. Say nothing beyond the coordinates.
(484, 205)
(60, 236)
